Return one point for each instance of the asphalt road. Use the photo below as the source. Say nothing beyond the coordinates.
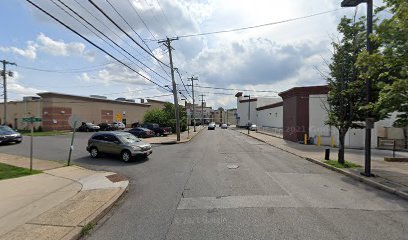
(225, 185)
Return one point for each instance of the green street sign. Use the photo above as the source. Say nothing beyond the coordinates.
(32, 119)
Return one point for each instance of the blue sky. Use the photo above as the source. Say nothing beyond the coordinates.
(51, 58)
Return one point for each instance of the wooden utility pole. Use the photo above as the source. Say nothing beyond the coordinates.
(167, 43)
(202, 109)
(4, 73)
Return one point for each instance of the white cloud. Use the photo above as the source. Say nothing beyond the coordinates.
(84, 77)
(30, 52)
(59, 48)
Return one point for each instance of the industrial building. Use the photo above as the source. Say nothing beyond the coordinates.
(57, 110)
(303, 111)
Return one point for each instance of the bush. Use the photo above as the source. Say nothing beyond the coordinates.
(166, 117)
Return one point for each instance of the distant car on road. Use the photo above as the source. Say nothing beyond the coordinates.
(211, 126)
(158, 131)
(118, 143)
(224, 126)
(119, 125)
(141, 132)
(253, 127)
(88, 127)
(8, 135)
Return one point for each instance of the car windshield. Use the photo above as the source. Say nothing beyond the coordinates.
(128, 138)
(6, 130)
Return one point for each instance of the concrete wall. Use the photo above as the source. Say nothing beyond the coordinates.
(18, 110)
(271, 117)
(242, 110)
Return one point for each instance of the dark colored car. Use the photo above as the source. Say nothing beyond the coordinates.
(158, 131)
(88, 127)
(141, 132)
(8, 135)
(106, 127)
(123, 144)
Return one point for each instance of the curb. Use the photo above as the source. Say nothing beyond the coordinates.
(181, 141)
(95, 217)
(344, 172)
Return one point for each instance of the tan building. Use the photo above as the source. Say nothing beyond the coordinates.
(57, 109)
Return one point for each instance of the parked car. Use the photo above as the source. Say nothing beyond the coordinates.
(141, 132)
(211, 126)
(158, 131)
(118, 143)
(253, 127)
(224, 126)
(106, 127)
(119, 125)
(88, 127)
(8, 135)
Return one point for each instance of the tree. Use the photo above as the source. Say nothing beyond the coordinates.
(166, 117)
(346, 90)
(388, 66)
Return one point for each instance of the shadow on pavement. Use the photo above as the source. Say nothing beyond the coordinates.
(108, 160)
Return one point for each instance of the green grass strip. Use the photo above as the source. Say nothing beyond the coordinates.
(8, 171)
(346, 164)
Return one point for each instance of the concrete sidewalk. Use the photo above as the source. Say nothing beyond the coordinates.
(172, 139)
(389, 176)
(57, 203)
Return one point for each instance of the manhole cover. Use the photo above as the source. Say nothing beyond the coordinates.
(232, 166)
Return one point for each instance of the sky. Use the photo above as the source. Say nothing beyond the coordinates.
(272, 58)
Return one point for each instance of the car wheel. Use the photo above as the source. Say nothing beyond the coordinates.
(94, 152)
(86, 129)
(125, 156)
(157, 134)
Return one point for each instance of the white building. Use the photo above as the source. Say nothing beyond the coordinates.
(304, 110)
(249, 105)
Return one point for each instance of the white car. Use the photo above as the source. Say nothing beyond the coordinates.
(224, 126)
(252, 127)
(119, 125)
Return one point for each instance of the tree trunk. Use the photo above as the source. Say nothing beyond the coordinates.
(342, 136)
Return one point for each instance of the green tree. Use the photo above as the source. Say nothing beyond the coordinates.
(347, 91)
(166, 117)
(388, 65)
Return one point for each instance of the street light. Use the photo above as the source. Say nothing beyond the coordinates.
(249, 109)
(368, 120)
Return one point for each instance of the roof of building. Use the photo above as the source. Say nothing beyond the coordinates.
(273, 105)
(89, 99)
(248, 100)
(154, 100)
(309, 90)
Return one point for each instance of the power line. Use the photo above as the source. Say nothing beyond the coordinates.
(243, 90)
(72, 70)
(116, 44)
(127, 34)
(120, 15)
(183, 82)
(92, 43)
(258, 26)
(165, 16)
(141, 19)
(110, 29)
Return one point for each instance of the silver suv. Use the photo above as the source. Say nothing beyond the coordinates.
(119, 143)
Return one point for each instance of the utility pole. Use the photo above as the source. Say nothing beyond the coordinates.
(167, 43)
(192, 79)
(202, 109)
(4, 73)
